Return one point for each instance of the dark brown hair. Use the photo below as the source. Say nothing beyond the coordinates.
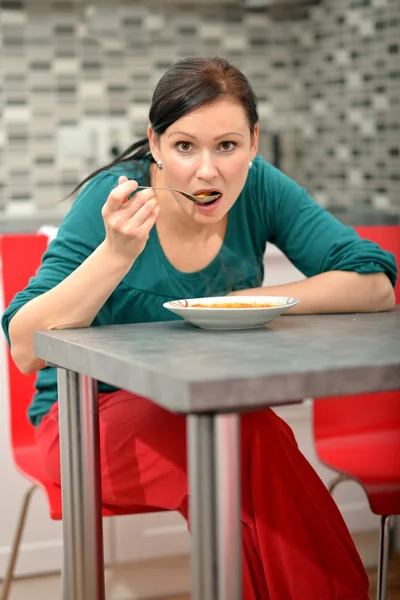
(186, 85)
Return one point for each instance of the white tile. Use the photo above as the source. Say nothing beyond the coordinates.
(368, 128)
(16, 114)
(234, 43)
(354, 80)
(342, 56)
(154, 23)
(214, 31)
(355, 178)
(381, 202)
(366, 28)
(380, 102)
(319, 107)
(63, 66)
(343, 153)
(13, 17)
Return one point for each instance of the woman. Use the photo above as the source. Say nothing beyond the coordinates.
(121, 253)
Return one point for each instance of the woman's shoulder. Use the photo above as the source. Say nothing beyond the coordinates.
(265, 174)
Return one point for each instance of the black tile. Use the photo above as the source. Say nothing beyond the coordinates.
(278, 64)
(13, 101)
(234, 17)
(132, 22)
(19, 174)
(66, 89)
(65, 53)
(117, 112)
(40, 65)
(12, 4)
(115, 88)
(12, 41)
(64, 30)
(63, 5)
(44, 160)
(20, 196)
(89, 65)
(187, 30)
(258, 42)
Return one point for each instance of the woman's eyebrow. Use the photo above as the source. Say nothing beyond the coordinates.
(193, 137)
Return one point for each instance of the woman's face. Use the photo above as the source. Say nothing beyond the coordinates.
(209, 149)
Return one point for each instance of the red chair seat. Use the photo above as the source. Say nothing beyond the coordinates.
(29, 464)
(373, 458)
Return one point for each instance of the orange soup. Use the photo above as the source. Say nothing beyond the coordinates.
(234, 305)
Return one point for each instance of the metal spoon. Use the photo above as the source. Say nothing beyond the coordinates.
(196, 199)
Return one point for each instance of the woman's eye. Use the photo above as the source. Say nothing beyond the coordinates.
(184, 146)
(228, 146)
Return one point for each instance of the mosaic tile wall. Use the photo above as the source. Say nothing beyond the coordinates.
(348, 108)
(77, 81)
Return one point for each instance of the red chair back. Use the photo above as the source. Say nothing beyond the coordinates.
(365, 413)
(20, 256)
(388, 238)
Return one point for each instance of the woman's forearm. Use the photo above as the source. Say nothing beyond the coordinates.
(334, 292)
(72, 303)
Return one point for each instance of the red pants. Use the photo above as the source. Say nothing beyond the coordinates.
(295, 543)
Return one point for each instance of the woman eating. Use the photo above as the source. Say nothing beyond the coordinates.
(121, 252)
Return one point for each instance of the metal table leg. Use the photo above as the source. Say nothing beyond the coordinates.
(214, 489)
(83, 568)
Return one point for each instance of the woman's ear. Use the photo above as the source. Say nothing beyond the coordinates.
(153, 143)
(254, 141)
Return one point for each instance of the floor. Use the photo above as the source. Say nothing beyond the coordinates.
(36, 588)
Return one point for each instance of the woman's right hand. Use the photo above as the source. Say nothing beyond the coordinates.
(128, 221)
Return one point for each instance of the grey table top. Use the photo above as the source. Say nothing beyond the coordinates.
(187, 369)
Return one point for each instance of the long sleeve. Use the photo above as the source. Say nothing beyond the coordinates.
(310, 236)
(80, 233)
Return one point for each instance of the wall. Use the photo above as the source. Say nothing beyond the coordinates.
(65, 68)
(348, 103)
(329, 85)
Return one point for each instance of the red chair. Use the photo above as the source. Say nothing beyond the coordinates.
(20, 257)
(359, 436)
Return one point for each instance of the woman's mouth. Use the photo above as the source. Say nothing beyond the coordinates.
(202, 196)
(205, 206)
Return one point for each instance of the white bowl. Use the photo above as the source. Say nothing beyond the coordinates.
(231, 318)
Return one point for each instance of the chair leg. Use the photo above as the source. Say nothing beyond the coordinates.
(383, 563)
(335, 482)
(16, 543)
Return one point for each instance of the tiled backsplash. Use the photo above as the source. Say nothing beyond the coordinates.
(77, 79)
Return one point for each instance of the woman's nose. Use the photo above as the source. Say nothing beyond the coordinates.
(206, 169)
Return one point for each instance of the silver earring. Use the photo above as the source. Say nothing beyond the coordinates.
(159, 165)
(250, 164)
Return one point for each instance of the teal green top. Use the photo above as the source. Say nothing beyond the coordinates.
(271, 207)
